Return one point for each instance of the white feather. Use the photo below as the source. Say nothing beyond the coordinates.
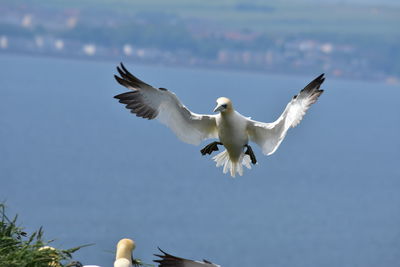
(270, 135)
(223, 159)
(231, 128)
(149, 102)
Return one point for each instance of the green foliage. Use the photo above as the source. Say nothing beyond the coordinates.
(19, 249)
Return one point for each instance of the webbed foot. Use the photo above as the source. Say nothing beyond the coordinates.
(250, 152)
(208, 149)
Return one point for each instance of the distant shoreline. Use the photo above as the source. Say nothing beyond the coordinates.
(204, 67)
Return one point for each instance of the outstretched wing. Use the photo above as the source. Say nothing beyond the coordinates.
(148, 102)
(270, 135)
(167, 260)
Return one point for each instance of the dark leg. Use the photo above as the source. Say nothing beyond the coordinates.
(208, 149)
(250, 152)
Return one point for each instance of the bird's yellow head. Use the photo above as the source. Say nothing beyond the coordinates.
(124, 248)
(223, 105)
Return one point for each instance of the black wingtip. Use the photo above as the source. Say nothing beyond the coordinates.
(314, 84)
(120, 71)
(320, 79)
(121, 81)
(130, 79)
(162, 251)
(126, 72)
(123, 67)
(118, 66)
(320, 76)
(160, 256)
(117, 78)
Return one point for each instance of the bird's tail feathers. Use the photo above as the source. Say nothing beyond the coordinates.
(223, 159)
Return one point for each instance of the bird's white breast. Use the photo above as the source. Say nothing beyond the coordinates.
(122, 263)
(232, 132)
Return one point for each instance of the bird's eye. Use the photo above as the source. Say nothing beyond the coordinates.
(224, 105)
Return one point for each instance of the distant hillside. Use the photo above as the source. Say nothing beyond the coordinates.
(274, 17)
(337, 37)
(361, 2)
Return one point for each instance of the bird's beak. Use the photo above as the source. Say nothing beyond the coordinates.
(218, 108)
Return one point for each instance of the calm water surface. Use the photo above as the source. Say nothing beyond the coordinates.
(75, 161)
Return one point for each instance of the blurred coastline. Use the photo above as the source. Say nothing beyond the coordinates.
(358, 42)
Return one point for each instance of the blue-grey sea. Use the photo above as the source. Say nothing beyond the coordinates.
(75, 161)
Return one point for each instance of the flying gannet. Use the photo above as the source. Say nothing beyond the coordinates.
(233, 130)
(167, 260)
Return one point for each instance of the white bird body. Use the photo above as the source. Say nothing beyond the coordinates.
(233, 130)
(123, 263)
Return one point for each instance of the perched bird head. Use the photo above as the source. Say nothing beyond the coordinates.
(223, 105)
(124, 249)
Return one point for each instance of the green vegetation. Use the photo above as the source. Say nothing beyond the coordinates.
(20, 249)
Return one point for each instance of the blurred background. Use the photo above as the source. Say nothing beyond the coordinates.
(344, 38)
(74, 161)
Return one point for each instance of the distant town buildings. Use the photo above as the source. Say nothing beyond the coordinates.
(3, 42)
(127, 49)
(59, 44)
(71, 35)
(89, 49)
(27, 21)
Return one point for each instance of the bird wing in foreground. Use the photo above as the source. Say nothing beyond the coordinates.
(270, 135)
(168, 260)
(148, 102)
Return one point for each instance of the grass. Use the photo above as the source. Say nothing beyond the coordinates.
(20, 249)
